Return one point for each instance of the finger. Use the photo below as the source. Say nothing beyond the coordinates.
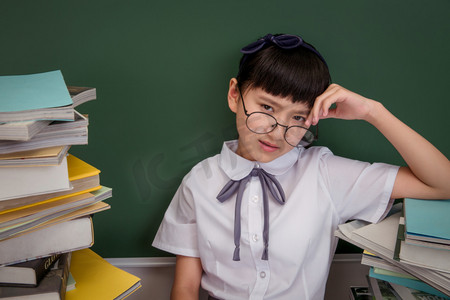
(326, 103)
(314, 117)
(332, 88)
(312, 114)
(332, 113)
(320, 106)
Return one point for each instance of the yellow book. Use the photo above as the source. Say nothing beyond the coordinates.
(37, 217)
(86, 211)
(368, 253)
(43, 209)
(41, 152)
(97, 279)
(382, 271)
(79, 169)
(83, 177)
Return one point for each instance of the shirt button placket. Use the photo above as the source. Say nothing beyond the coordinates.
(256, 222)
(262, 283)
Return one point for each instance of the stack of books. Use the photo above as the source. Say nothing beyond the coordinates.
(47, 196)
(408, 252)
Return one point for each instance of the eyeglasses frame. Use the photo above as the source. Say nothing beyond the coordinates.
(286, 127)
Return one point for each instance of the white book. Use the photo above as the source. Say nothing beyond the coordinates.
(25, 130)
(50, 156)
(380, 239)
(378, 262)
(382, 236)
(21, 131)
(430, 258)
(425, 257)
(60, 238)
(16, 182)
(58, 133)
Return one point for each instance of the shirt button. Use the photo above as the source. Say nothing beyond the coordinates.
(255, 237)
(262, 274)
(255, 199)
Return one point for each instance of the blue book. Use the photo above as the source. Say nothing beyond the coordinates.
(42, 96)
(410, 283)
(427, 220)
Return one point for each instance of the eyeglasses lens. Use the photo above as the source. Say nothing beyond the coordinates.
(295, 134)
(261, 123)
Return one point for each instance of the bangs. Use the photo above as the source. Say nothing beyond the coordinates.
(296, 73)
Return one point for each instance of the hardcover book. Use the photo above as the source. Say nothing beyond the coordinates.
(17, 182)
(82, 176)
(59, 238)
(52, 286)
(27, 274)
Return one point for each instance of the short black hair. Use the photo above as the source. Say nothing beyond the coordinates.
(298, 73)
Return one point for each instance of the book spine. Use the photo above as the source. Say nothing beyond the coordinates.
(45, 266)
(64, 264)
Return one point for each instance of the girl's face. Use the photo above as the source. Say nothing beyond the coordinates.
(268, 146)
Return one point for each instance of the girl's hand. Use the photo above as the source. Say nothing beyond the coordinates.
(349, 106)
(426, 176)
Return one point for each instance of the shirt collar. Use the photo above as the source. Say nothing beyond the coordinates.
(237, 167)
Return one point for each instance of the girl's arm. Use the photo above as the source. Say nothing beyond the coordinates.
(428, 172)
(188, 274)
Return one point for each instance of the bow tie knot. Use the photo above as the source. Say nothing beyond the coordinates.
(268, 182)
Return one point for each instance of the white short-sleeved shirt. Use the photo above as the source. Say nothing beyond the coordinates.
(322, 190)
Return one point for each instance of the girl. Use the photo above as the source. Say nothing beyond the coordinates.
(257, 220)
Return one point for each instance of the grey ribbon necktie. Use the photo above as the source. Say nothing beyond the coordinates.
(268, 182)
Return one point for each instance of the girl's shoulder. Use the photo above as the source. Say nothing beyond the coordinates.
(315, 152)
(205, 169)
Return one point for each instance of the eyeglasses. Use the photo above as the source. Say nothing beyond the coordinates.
(262, 123)
(284, 41)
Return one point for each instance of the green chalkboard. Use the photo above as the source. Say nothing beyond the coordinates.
(161, 69)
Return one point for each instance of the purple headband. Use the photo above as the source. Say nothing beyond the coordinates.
(284, 41)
